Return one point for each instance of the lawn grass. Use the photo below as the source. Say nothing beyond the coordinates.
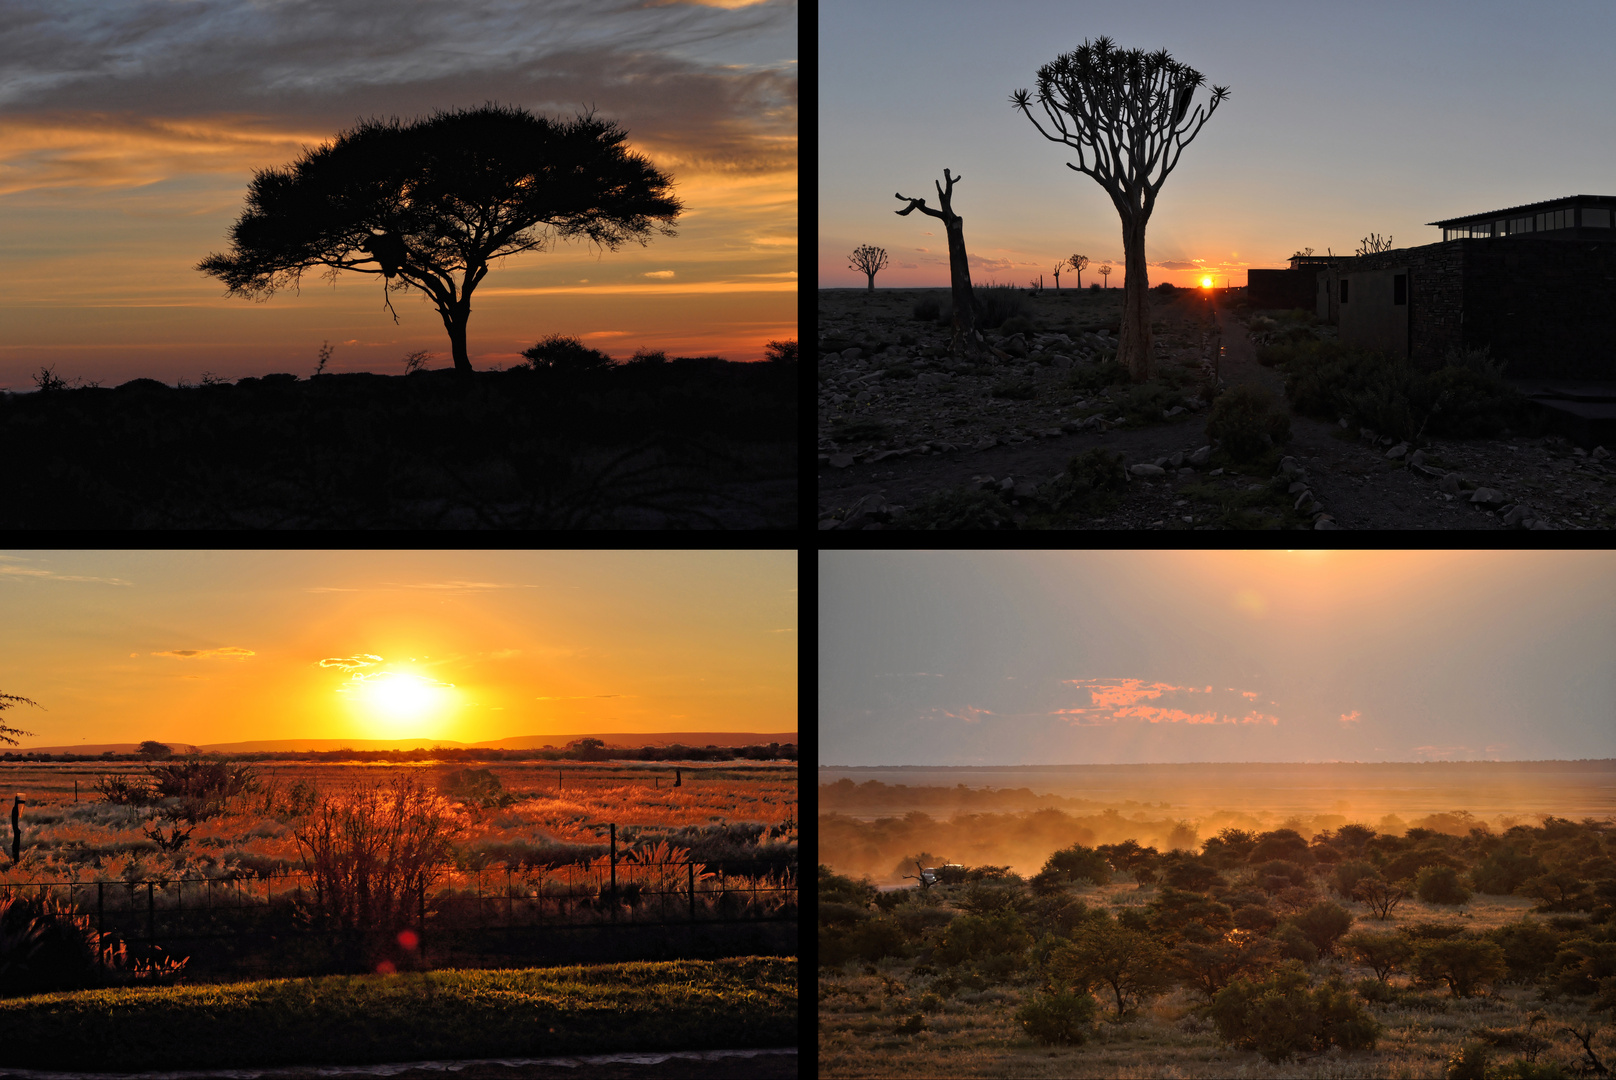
(738, 1003)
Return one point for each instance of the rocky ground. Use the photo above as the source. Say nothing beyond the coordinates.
(900, 421)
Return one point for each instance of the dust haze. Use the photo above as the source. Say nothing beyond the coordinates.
(876, 822)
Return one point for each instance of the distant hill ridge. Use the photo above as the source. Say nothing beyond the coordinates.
(518, 742)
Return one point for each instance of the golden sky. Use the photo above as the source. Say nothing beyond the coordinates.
(197, 647)
(129, 133)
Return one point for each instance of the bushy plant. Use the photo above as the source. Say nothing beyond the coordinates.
(1293, 944)
(912, 1024)
(1063, 1018)
(1079, 863)
(996, 303)
(476, 787)
(1469, 1062)
(1344, 879)
(1382, 953)
(1249, 422)
(1124, 964)
(1529, 947)
(46, 946)
(961, 508)
(1504, 870)
(1146, 402)
(977, 937)
(1465, 964)
(1017, 324)
(1280, 1015)
(1440, 885)
(925, 310)
(125, 790)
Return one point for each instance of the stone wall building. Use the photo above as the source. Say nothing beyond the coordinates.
(1536, 284)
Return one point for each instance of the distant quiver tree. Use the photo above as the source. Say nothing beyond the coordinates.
(1078, 263)
(418, 204)
(869, 260)
(1130, 110)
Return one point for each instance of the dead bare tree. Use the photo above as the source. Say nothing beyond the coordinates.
(869, 260)
(1593, 1066)
(1131, 111)
(926, 880)
(1058, 268)
(967, 338)
(1078, 262)
(1372, 243)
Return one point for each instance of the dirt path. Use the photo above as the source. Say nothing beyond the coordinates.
(927, 431)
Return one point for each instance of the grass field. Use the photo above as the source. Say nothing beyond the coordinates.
(726, 807)
(680, 1005)
(975, 1032)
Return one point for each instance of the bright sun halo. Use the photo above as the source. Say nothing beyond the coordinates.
(1206, 283)
(396, 698)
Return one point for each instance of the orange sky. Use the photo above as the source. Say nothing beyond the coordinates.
(206, 647)
(129, 133)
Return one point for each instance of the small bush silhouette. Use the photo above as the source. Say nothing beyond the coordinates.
(1059, 1019)
(560, 353)
(1323, 924)
(1281, 1016)
(1018, 324)
(1248, 421)
(925, 310)
(1465, 964)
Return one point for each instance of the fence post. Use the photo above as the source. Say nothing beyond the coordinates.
(691, 867)
(614, 868)
(421, 911)
(100, 908)
(151, 908)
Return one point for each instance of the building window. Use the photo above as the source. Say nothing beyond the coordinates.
(1399, 288)
(1519, 225)
(1555, 219)
(1343, 290)
(1597, 219)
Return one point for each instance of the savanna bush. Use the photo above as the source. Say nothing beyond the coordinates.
(1293, 944)
(1064, 1018)
(1323, 924)
(1346, 876)
(560, 353)
(977, 937)
(1073, 864)
(1383, 953)
(1440, 885)
(1280, 1015)
(1529, 948)
(1504, 871)
(1465, 964)
(476, 787)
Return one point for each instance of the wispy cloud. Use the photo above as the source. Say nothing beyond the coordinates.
(229, 652)
(1113, 701)
(352, 663)
(908, 675)
(453, 585)
(39, 573)
(1350, 718)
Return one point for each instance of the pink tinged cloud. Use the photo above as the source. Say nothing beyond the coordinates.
(1350, 718)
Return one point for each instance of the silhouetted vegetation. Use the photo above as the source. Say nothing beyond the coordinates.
(565, 444)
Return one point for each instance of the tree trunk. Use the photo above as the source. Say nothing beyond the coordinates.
(966, 336)
(455, 316)
(872, 279)
(1134, 344)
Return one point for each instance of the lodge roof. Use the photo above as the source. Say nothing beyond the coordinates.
(1545, 205)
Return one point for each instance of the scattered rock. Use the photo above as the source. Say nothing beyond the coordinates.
(1397, 451)
(841, 461)
(1600, 453)
(1176, 459)
(1417, 458)
(1168, 414)
(1450, 483)
(1147, 470)
(987, 442)
(1297, 486)
(1201, 456)
(1487, 495)
(1305, 496)
(1016, 346)
(852, 354)
(1325, 522)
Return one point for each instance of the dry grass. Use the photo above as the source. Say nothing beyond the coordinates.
(977, 1035)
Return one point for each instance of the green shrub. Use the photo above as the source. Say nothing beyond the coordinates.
(843, 889)
(872, 939)
(1280, 1016)
(1464, 963)
(913, 1024)
(1079, 863)
(1255, 917)
(1471, 404)
(1248, 421)
(1504, 871)
(1374, 990)
(1529, 948)
(1346, 876)
(1124, 965)
(1323, 924)
(1088, 479)
(925, 310)
(1062, 1018)
(1383, 953)
(977, 937)
(1018, 324)
(931, 1003)
(1582, 964)
(1440, 885)
(1293, 944)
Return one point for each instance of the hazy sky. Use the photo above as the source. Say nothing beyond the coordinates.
(129, 130)
(1343, 119)
(1022, 658)
(200, 647)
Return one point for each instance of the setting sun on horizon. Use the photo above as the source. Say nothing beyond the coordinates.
(205, 647)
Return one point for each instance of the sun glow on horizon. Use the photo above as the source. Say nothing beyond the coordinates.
(397, 704)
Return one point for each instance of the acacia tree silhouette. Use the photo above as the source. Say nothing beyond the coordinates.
(6, 702)
(419, 203)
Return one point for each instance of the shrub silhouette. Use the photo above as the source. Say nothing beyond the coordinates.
(1126, 964)
(1529, 948)
(1323, 924)
(1280, 1016)
(1440, 885)
(1383, 953)
(1346, 876)
(560, 353)
(1504, 871)
(1210, 966)
(1293, 944)
(977, 937)
(1076, 863)
(1464, 963)
(476, 787)
(1284, 844)
(48, 946)
(1063, 1018)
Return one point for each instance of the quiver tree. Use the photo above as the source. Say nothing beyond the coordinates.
(1127, 114)
(1078, 263)
(1058, 268)
(966, 338)
(869, 260)
(418, 204)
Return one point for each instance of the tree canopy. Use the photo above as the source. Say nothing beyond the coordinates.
(418, 204)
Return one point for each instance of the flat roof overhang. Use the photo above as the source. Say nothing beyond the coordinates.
(1547, 204)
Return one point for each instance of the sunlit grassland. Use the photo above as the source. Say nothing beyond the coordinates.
(743, 1002)
(572, 806)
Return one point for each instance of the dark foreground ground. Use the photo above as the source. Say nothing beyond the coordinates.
(684, 444)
